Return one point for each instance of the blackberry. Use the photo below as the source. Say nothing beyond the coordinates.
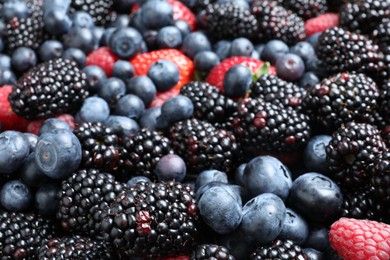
(275, 22)
(265, 127)
(335, 5)
(81, 199)
(51, 88)
(211, 251)
(21, 234)
(363, 16)
(381, 35)
(351, 154)
(102, 148)
(209, 102)
(76, 247)
(340, 99)
(273, 89)
(341, 51)
(144, 150)
(204, 147)
(305, 8)
(380, 179)
(100, 10)
(279, 249)
(200, 5)
(228, 21)
(151, 220)
(384, 102)
(386, 135)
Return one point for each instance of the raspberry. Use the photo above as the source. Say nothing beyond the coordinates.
(8, 119)
(104, 58)
(321, 23)
(355, 239)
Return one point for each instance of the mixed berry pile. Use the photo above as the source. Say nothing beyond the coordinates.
(212, 129)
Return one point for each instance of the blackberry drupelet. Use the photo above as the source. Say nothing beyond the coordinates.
(340, 99)
(21, 234)
(275, 22)
(273, 89)
(82, 198)
(51, 88)
(76, 247)
(305, 8)
(151, 220)
(99, 10)
(341, 51)
(144, 150)
(351, 154)
(209, 102)
(228, 21)
(204, 147)
(363, 16)
(102, 148)
(211, 251)
(279, 249)
(265, 127)
(381, 36)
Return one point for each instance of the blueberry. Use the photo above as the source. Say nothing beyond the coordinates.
(313, 39)
(220, 210)
(313, 254)
(5, 61)
(273, 50)
(14, 149)
(136, 179)
(164, 74)
(266, 174)
(11, 9)
(81, 38)
(171, 167)
(195, 42)
(317, 67)
(52, 124)
(76, 55)
(259, 48)
(112, 90)
(94, 109)
(95, 77)
(143, 87)
(98, 32)
(7, 77)
(175, 109)
(15, 196)
(304, 50)
(105, 38)
(149, 118)
(318, 238)
(150, 38)
(237, 81)
(308, 79)
(122, 125)
(46, 199)
(125, 42)
(241, 47)
(314, 156)
(57, 21)
(1, 45)
(131, 106)
(316, 197)
(237, 244)
(294, 228)
(23, 59)
(121, 21)
(204, 61)
(239, 175)
(255, 55)
(222, 49)
(209, 176)
(263, 218)
(31, 174)
(58, 153)
(32, 140)
(123, 70)
(290, 67)
(169, 37)
(183, 27)
(82, 19)
(234, 190)
(137, 22)
(156, 14)
(53, 4)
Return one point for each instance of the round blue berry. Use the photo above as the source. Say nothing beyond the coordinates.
(23, 59)
(131, 106)
(290, 67)
(14, 149)
(169, 37)
(273, 50)
(171, 167)
(237, 81)
(164, 74)
(15, 196)
(125, 42)
(143, 87)
(94, 109)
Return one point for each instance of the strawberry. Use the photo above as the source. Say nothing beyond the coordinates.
(104, 58)
(355, 239)
(34, 126)
(216, 75)
(321, 23)
(142, 62)
(8, 119)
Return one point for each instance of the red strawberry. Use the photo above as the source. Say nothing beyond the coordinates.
(9, 120)
(217, 73)
(34, 126)
(104, 58)
(356, 239)
(321, 23)
(142, 62)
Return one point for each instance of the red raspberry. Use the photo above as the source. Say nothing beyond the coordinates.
(34, 126)
(321, 23)
(104, 58)
(357, 239)
(8, 119)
